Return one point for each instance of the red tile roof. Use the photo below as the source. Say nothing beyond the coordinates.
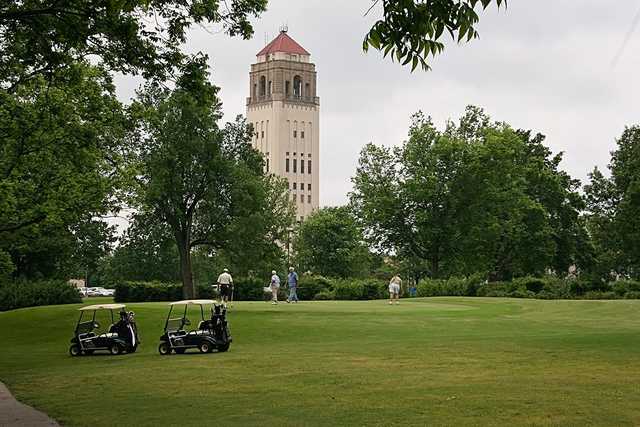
(283, 43)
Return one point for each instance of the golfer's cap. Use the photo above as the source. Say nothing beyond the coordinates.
(290, 268)
(273, 272)
(226, 270)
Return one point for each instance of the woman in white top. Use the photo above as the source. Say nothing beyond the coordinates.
(394, 289)
(275, 285)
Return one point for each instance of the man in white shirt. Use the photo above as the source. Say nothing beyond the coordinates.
(225, 281)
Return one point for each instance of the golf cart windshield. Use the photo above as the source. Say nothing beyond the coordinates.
(178, 323)
(90, 323)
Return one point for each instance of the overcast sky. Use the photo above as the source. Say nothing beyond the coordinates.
(546, 65)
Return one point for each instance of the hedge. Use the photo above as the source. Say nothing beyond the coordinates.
(34, 293)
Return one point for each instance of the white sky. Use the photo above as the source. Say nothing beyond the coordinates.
(544, 65)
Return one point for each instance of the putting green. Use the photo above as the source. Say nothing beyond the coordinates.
(434, 361)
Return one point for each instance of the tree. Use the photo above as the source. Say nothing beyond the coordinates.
(614, 208)
(411, 30)
(329, 242)
(477, 197)
(60, 144)
(202, 181)
(40, 37)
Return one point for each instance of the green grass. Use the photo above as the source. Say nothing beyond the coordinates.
(436, 361)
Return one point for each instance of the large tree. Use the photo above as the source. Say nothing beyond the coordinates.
(330, 242)
(614, 209)
(478, 196)
(206, 183)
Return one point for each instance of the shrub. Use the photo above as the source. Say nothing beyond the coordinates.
(309, 286)
(622, 287)
(599, 295)
(632, 295)
(248, 289)
(324, 295)
(30, 294)
(531, 284)
(347, 290)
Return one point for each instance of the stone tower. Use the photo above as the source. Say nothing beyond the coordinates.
(283, 107)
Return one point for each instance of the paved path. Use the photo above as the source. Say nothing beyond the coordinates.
(14, 413)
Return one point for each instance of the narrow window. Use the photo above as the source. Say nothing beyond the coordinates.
(309, 198)
(293, 197)
(287, 153)
(302, 198)
(301, 134)
(262, 134)
(308, 166)
(295, 133)
(270, 88)
(286, 165)
(287, 89)
(307, 91)
(294, 185)
(255, 90)
(301, 166)
(267, 165)
(297, 86)
(263, 86)
(302, 186)
(288, 185)
(295, 166)
(309, 187)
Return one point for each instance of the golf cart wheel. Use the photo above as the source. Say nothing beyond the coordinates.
(132, 349)
(204, 347)
(164, 349)
(74, 350)
(115, 349)
(180, 350)
(223, 348)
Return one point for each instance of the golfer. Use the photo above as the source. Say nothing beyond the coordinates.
(225, 281)
(394, 289)
(292, 281)
(275, 285)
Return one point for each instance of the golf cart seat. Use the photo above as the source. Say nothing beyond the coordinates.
(109, 335)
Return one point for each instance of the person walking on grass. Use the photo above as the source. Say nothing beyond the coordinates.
(225, 281)
(275, 286)
(394, 289)
(292, 281)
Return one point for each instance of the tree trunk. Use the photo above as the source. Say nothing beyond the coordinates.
(188, 290)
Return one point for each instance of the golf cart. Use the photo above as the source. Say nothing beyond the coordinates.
(211, 333)
(120, 337)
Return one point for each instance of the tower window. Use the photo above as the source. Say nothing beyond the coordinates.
(270, 88)
(309, 187)
(295, 133)
(302, 186)
(301, 166)
(262, 134)
(302, 198)
(294, 185)
(302, 134)
(297, 86)
(287, 89)
(286, 165)
(307, 90)
(308, 166)
(309, 198)
(255, 90)
(263, 86)
(295, 166)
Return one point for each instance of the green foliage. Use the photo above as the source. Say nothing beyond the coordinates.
(325, 296)
(155, 291)
(142, 36)
(205, 184)
(18, 294)
(310, 285)
(330, 243)
(613, 206)
(411, 31)
(476, 197)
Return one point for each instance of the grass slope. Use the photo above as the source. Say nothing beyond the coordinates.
(437, 361)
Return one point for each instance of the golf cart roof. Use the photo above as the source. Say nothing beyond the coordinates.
(194, 302)
(102, 307)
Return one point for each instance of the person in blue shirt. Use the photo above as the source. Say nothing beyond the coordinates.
(292, 281)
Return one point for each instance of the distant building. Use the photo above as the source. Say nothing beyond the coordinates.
(284, 109)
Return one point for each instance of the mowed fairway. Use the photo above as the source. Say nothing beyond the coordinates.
(434, 361)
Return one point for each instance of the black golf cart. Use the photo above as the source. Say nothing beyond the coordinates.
(212, 332)
(120, 337)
